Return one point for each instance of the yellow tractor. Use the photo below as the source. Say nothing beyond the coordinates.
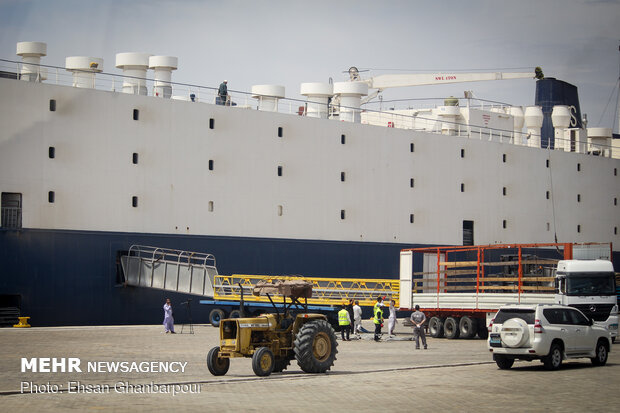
(273, 340)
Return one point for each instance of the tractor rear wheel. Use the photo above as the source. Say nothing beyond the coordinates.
(217, 366)
(316, 347)
(263, 362)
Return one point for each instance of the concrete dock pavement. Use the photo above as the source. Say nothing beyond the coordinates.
(451, 375)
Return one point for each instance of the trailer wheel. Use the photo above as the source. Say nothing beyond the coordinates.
(451, 328)
(215, 316)
(217, 366)
(468, 327)
(435, 327)
(315, 346)
(263, 362)
(234, 314)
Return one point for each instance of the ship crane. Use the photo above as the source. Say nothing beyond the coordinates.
(381, 82)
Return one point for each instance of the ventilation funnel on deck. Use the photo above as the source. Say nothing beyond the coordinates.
(84, 69)
(134, 66)
(31, 53)
(163, 67)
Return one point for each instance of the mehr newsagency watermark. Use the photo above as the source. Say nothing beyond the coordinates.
(75, 365)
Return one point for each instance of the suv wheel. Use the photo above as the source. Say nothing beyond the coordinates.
(504, 363)
(553, 360)
(601, 354)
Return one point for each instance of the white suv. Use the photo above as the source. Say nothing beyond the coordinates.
(550, 333)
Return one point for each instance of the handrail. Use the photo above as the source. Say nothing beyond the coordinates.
(156, 254)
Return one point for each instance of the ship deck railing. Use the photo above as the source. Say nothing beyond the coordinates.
(246, 100)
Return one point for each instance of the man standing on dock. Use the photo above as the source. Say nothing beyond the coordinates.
(357, 319)
(168, 320)
(344, 321)
(418, 319)
(378, 319)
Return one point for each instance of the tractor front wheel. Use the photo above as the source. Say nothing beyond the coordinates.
(316, 347)
(217, 366)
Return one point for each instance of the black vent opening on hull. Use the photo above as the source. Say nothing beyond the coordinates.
(136, 114)
(468, 232)
(51, 152)
(51, 197)
(280, 132)
(211, 164)
(134, 201)
(342, 214)
(412, 147)
(52, 105)
(343, 139)
(211, 123)
(134, 158)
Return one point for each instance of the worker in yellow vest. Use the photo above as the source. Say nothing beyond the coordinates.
(344, 321)
(378, 319)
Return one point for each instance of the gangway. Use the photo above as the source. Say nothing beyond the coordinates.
(169, 269)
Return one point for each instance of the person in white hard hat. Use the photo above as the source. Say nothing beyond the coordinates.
(223, 93)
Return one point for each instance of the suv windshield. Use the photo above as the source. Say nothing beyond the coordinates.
(590, 284)
(506, 314)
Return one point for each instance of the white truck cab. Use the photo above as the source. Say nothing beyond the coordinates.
(589, 286)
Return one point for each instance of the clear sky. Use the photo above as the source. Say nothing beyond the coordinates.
(290, 42)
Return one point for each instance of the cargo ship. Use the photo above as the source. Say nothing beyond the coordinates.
(332, 185)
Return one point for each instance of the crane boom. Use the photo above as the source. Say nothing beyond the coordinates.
(418, 79)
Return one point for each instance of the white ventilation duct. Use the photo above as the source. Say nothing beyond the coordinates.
(560, 117)
(134, 66)
(350, 94)
(318, 95)
(518, 120)
(31, 53)
(268, 96)
(600, 141)
(533, 117)
(84, 69)
(163, 67)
